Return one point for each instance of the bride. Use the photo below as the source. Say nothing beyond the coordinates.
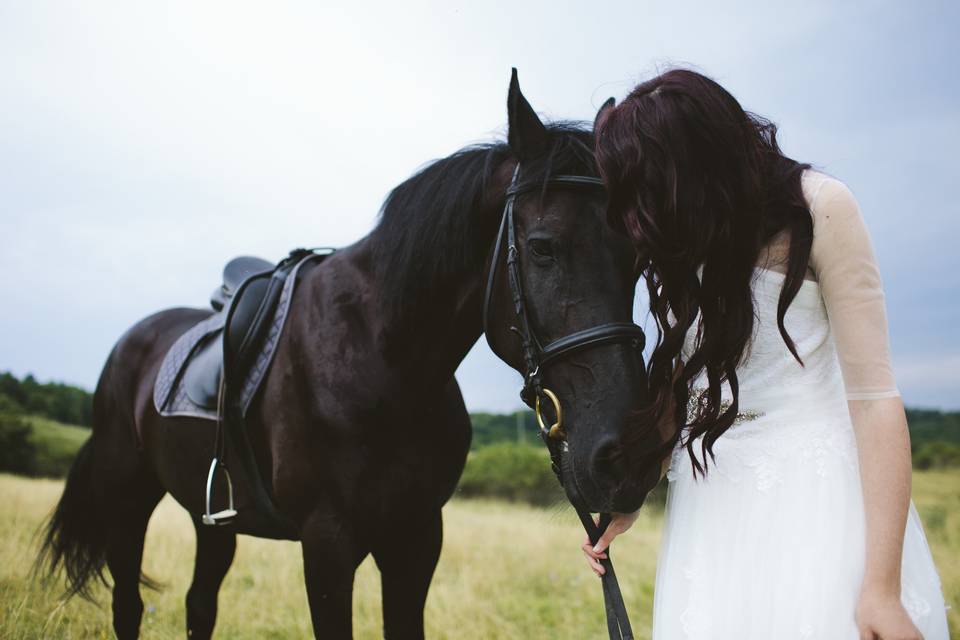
(788, 512)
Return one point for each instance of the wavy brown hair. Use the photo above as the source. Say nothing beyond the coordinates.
(697, 182)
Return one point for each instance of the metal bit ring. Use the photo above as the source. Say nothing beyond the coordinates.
(556, 429)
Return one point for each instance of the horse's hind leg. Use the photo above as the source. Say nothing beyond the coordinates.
(215, 548)
(124, 556)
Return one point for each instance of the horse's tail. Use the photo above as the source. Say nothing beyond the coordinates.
(83, 524)
(76, 534)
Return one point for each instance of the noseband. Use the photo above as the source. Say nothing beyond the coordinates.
(537, 356)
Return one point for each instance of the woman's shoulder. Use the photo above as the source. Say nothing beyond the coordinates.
(823, 191)
(839, 229)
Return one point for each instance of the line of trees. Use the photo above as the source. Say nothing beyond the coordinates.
(61, 402)
(507, 459)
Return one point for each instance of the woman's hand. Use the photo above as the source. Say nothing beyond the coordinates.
(619, 523)
(881, 616)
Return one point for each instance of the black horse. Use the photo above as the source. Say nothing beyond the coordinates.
(360, 430)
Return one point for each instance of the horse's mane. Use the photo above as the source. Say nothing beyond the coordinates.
(430, 230)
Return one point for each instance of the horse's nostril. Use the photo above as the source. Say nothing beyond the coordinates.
(606, 463)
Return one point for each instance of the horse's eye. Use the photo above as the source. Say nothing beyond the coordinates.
(542, 248)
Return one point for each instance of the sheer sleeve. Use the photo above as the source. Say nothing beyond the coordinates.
(843, 260)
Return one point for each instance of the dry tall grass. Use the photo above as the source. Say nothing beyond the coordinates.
(507, 571)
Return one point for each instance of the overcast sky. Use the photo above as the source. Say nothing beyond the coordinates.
(143, 144)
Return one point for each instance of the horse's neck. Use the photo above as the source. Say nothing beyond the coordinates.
(427, 344)
(445, 332)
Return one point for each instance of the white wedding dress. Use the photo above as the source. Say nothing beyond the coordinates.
(771, 544)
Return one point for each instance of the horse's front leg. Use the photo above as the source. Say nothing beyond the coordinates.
(407, 559)
(215, 550)
(331, 555)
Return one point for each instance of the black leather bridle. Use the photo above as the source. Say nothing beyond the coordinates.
(536, 356)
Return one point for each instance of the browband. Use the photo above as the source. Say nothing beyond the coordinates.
(556, 181)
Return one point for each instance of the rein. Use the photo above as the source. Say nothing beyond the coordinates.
(536, 357)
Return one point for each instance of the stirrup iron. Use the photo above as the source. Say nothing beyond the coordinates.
(227, 515)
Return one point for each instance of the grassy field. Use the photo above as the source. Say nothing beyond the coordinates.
(507, 571)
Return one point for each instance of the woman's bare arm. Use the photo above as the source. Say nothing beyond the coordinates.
(883, 443)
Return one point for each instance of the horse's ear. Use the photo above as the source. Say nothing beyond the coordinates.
(606, 106)
(527, 135)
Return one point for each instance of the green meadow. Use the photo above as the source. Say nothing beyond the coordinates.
(507, 571)
(510, 567)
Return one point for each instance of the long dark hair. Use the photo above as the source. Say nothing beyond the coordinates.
(696, 181)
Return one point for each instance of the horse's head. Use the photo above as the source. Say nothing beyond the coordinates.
(559, 305)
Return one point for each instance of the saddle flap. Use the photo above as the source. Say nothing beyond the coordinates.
(248, 320)
(201, 380)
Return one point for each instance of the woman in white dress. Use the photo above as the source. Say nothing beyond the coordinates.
(788, 512)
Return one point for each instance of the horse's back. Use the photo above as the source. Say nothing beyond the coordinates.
(129, 373)
(146, 342)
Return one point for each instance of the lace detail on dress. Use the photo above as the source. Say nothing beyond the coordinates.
(693, 618)
(839, 445)
(765, 454)
(762, 446)
(697, 395)
(916, 605)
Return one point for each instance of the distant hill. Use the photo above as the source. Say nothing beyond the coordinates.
(33, 446)
(56, 444)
